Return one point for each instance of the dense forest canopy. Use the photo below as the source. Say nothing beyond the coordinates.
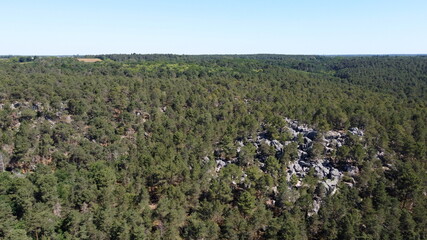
(213, 147)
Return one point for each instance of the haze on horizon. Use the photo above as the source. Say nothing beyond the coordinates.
(332, 27)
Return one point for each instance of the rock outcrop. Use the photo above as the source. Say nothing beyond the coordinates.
(329, 175)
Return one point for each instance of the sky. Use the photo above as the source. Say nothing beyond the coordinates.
(71, 27)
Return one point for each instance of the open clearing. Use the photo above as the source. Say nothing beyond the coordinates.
(89, 60)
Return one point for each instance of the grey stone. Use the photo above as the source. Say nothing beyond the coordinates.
(307, 140)
(316, 207)
(292, 132)
(332, 182)
(334, 143)
(335, 173)
(352, 170)
(277, 145)
(329, 150)
(332, 134)
(304, 164)
(302, 154)
(266, 141)
(356, 131)
(298, 168)
(326, 186)
(318, 172)
(220, 164)
(324, 169)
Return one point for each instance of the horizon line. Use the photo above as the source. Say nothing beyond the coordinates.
(214, 54)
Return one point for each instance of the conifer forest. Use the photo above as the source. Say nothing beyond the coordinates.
(213, 147)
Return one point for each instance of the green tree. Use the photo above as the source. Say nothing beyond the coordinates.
(246, 202)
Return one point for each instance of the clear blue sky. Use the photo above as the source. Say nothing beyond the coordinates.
(57, 27)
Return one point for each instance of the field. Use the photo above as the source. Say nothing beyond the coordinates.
(89, 60)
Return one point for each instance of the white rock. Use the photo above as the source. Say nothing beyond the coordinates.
(277, 145)
(332, 134)
(220, 164)
(332, 182)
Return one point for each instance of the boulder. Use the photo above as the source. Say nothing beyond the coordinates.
(321, 171)
(304, 164)
(294, 125)
(316, 207)
(312, 135)
(356, 131)
(335, 173)
(329, 150)
(266, 141)
(332, 135)
(334, 143)
(352, 170)
(324, 170)
(277, 145)
(332, 182)
(302, 154)
(318, 172)
(220, 164)
(298, 168)
(292, 132)
(326, 186)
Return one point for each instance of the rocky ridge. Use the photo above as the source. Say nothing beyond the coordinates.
(328, 173)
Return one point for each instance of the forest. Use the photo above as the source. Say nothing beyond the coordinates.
(213, 147)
